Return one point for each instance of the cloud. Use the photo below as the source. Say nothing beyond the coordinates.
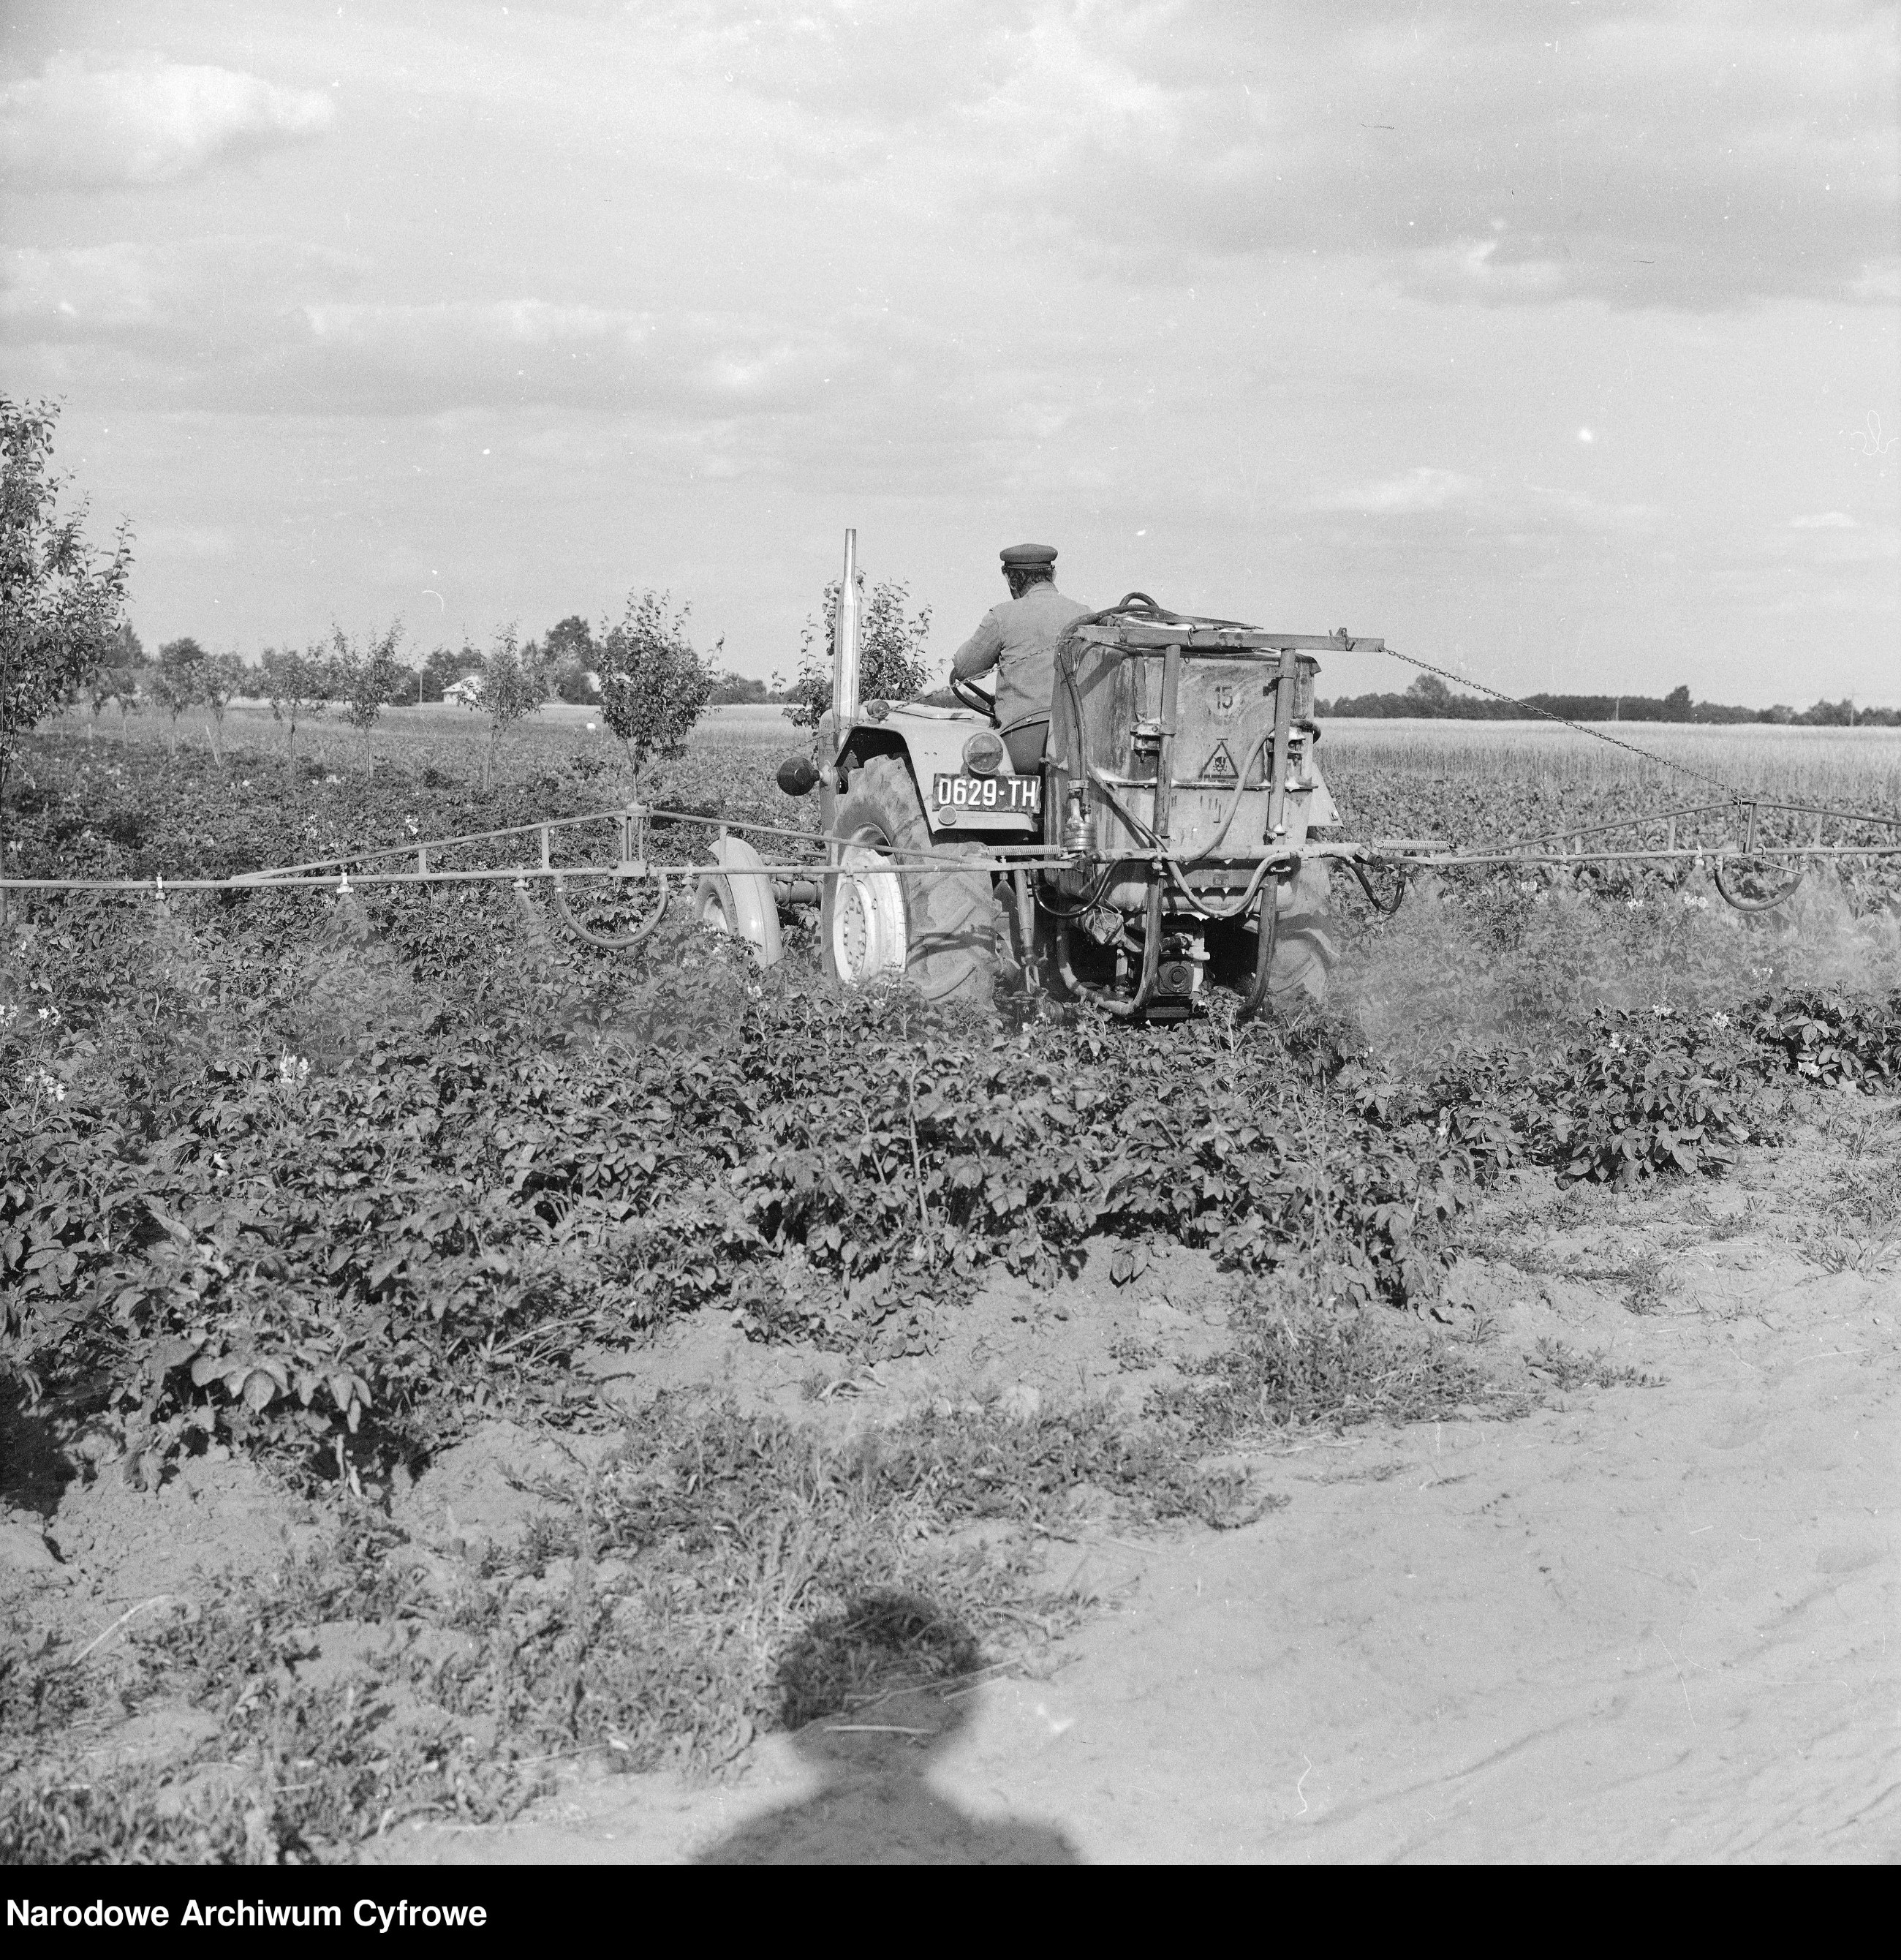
(208, 300)
(267, 325)
(1442, 513)
(1415, 490)
(1578, 511)
(1699, 155)
(870, 68)
(458, 354)
(1825, 520)
(76, 128)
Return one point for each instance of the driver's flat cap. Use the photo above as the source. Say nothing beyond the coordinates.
(1016, 557)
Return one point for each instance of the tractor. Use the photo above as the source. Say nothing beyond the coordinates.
(1165, 849)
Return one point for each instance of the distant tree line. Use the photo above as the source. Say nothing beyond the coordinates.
(569, 652)
(1429, 699)
(65, 638)
(643, 673)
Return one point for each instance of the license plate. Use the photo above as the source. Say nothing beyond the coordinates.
(1017, 796)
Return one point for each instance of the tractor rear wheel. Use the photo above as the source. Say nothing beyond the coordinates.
(1305, 950)
(1304, 953)
(904, 908)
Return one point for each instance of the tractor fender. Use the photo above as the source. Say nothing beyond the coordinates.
(934, 743)
(742, 890)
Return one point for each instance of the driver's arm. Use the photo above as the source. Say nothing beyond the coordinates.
(980, 653)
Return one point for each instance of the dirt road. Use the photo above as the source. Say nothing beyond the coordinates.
(1663, 1622)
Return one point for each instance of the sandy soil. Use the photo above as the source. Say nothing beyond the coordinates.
(88, 1551)
(1647, 1622)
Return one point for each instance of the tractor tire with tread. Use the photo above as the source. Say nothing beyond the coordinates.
(1305, 951)
(949, 922)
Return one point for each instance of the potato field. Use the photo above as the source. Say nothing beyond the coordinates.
(442, 1361)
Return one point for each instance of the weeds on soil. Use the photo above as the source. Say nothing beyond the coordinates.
(1564, 1367)
(663, 1609)
(1290, 1368)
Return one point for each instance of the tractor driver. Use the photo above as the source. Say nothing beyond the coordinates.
(1018, 639)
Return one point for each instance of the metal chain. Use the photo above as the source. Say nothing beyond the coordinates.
(1532, 707)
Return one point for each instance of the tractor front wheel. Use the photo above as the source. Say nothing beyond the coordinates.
(902, 908)
(738, 900)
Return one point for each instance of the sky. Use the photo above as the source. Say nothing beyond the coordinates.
(1556, 342)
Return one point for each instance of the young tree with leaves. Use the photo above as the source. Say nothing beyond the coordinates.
(365, 677)
(654, 686)
(61, 605)
(119, 683)
(515, 683)
(100, 688)
(222, 676)
(893, 650)
(171, 694)
(177, 683)
(297, 686)
(128, 694)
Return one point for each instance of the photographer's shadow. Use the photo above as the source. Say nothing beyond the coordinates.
(877, 1804)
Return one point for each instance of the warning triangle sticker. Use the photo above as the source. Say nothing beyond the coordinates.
(1220, 763)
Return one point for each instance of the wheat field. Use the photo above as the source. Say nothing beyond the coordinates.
(1860, 767)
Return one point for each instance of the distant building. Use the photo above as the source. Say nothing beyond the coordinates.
(466, 692)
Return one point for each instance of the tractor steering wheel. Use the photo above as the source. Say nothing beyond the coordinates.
(974, 697)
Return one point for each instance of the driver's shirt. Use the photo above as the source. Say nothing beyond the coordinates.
(1018, 639)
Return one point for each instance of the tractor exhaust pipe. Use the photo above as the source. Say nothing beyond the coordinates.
(844, 655)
